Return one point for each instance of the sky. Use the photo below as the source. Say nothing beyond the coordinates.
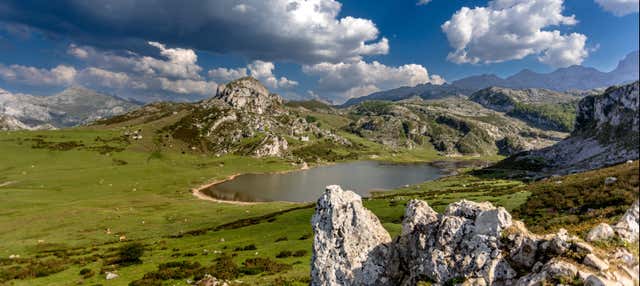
(330, 49)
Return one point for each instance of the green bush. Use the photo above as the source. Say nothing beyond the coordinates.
(130, 253)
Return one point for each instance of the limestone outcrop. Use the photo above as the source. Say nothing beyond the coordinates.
(468, 244)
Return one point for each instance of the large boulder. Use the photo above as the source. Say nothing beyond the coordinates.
(350, 246)
(627, 227)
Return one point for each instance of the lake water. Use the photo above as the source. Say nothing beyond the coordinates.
(307, 185)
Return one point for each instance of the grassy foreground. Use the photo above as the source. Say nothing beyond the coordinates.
(67, 197)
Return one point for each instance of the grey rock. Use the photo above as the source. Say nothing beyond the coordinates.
(599, 232)
(595, 262)
(627, 226)
(350, 246)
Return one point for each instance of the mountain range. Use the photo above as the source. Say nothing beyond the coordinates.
(574, 79)
(71, 107)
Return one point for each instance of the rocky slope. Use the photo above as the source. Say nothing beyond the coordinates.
(454, 126)
(243, 118)
(468, 244)
(72, 107)
(541, 108)
(564, 79)
(606, 133)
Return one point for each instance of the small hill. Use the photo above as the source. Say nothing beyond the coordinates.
(424, 91)
(606, 133)
(73, 106)
(453, 126)
(545, 109)
(243, 118)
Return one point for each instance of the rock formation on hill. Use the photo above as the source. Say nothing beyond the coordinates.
(469, 244)
(244, 118)
(606, 133)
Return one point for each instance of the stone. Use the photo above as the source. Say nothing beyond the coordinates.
(350, 246)
(492, 222)
(627, 227)
(594, 280)
(111, 275)
(610, 180)
(601, 231)
(595, 262)
(271, 146)
(559, 269)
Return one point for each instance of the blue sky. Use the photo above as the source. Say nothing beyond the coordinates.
(155, 50)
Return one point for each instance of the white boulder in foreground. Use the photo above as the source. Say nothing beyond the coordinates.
(469, 244)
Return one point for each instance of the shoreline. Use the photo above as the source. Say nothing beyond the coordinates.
(198, 191)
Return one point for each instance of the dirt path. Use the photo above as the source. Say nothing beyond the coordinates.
(7, 183)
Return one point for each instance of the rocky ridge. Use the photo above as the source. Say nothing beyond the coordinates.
(468, 244)
(606, 133)
(73, 106)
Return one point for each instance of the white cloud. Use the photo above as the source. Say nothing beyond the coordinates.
(358, 78)
(187, 86)
(423, 2)
(263, 71)
(302, 31)
(513, 29)
(99, 77)
(61, 75)
(620, 7)
(177, 63)
(225, 74)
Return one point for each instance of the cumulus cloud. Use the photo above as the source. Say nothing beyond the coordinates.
(620, 7)
(307, 32)
(99, 77)
(513, 29)
(225, 74)
(359, 78)
(423, 2)
(261, 70)
(61, 75)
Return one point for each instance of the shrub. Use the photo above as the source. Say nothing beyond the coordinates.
(284, 254)
(225, 268)
(86, 272)
(246, 248)
(130, 253)
(258, 265)
(300, 253)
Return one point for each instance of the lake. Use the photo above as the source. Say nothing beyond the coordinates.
(307, 185)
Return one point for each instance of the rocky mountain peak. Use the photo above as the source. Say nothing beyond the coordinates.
(470, 243)
(249, 94)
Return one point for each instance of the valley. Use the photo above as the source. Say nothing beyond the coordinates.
(73, 198)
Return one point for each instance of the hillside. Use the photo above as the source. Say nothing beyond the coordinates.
(454, 126)
(71, 107)
(606, 133)
(542, 108)
(424, 91)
